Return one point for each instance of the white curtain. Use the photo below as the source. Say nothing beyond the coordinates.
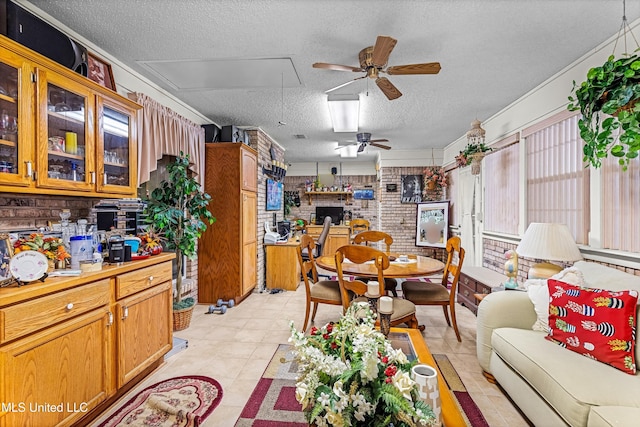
(467, 203)
(163, 131)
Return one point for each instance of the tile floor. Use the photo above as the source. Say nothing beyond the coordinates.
(236, 347)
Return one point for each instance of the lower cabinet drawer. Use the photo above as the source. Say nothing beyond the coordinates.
(30, 316)
(139, 280)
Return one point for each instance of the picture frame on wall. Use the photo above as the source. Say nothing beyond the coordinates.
(432, 224)
(6, 252)
(100, 72)
(411, 188)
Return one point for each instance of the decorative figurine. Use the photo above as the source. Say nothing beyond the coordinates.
(511, 269)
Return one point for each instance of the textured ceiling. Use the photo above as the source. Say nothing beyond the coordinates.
(491, 52)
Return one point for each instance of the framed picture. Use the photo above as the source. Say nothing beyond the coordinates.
(432, 228)
(366, 194)
(100, 72)
(6, 252)
(274, 195)
(411, 186)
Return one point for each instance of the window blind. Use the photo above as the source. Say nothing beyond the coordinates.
(501, 190)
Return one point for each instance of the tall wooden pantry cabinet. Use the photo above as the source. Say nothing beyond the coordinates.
(227, 250)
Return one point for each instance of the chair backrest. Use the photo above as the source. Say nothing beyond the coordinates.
(359, 224)
(323, 235)
(306, 242)
(373, 236)
(359, 255)
(455, 257)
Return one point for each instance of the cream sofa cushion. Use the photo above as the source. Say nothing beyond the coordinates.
(613, 416)
(569, 382)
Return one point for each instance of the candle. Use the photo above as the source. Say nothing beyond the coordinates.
(71, 142)
(386, 305)
(373, 289)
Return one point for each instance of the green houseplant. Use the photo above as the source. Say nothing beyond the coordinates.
(178, 210)
(610, 90)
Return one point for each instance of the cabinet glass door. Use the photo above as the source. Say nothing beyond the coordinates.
(14, 95)
(115, 157)
(67, 112)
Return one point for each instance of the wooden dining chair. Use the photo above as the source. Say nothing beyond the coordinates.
(373, 236)
(358, 225)
(404, 311)
(443, 293)
(319, 291)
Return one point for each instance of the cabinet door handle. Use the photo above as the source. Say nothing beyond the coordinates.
(104, 179)
(110, 316)
(69, 306)
(150, 279)
(29, 169)
(93, 177)
(125, 312)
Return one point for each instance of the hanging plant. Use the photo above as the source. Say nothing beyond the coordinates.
(466, 156)
(607, 100)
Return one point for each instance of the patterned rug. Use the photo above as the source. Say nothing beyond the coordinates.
(273, 402)
(177, 402)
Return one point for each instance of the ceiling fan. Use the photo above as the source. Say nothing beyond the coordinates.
(373, 61)
(364, 139)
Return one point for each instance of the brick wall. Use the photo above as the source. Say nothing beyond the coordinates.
(29, 211)
(494, 259)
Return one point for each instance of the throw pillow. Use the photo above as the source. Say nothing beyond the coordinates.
(597, 323)
(539, 294)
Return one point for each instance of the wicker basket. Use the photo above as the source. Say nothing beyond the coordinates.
(476, 162)
(182, 318)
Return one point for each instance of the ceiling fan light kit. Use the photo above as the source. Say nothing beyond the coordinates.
(373, 61)
(344, 111)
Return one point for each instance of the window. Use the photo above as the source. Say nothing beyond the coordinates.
(557, 182)
(501, 190)
(620, 201)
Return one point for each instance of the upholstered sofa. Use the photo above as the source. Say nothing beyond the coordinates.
(552, 385)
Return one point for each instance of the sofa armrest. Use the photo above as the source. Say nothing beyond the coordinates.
(504, 309)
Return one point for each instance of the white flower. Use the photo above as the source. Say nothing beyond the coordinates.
(324, 399)
(403, 382)
(334, 419)
(338, 391)
(301, 394)
(370, 368)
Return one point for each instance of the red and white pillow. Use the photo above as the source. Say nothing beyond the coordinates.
(597, 323)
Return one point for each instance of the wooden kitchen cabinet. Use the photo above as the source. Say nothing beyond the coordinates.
(338, 236)
(77, 341)
(61, 133)
(227, 251)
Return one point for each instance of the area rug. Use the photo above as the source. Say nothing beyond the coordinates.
(177, 402)
(273, 402)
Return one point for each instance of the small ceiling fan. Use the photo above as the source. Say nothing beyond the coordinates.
(373, 61)
(364, 139)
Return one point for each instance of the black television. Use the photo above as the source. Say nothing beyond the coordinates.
(335, 212)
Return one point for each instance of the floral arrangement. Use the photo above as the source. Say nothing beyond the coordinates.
(151, 242)
(465, 156)
(349, 375)
(435, 175)
(52, 247)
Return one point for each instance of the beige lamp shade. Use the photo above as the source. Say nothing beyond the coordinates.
(548, 242)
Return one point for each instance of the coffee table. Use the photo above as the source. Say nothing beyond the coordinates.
(411, 342)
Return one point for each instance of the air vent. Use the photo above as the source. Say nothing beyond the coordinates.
(299, 136)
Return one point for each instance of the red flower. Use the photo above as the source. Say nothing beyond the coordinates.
(388, 380)
(326, 336)
(334, 345)
(330, 327)
(391, 370)
(385, 360)
(314, 330)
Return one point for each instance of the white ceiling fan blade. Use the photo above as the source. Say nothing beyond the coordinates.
(344, 84)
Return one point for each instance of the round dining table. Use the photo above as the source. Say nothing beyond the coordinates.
(415, 266)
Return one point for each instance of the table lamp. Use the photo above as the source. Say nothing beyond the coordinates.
(548, 242)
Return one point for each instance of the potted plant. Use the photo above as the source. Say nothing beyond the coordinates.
(472, 155)
(177, 210)
(349, 375)
(612, 89)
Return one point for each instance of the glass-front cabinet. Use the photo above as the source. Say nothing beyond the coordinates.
(116, 130)
(66, 135)
(61, 133)
(15, 107)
